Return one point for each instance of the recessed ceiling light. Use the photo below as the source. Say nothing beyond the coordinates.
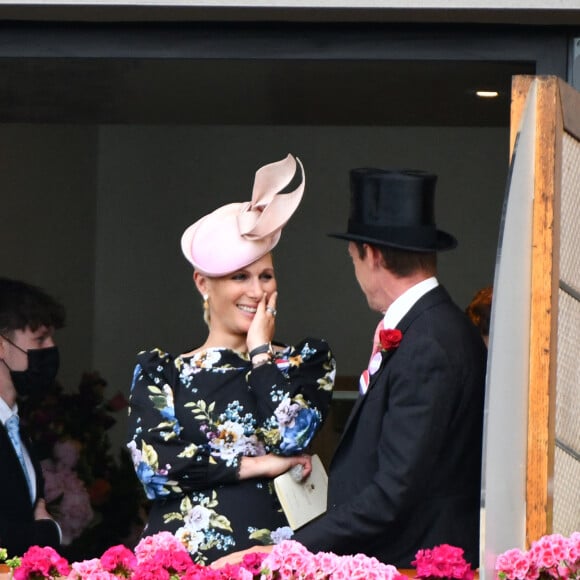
(487, 94)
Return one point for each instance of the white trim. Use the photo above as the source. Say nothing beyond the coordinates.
(408, 5)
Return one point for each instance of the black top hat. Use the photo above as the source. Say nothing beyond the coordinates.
(395, 208)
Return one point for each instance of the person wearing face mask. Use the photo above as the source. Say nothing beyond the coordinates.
(28, 362)
(210, 428)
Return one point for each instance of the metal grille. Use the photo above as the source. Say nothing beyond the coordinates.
(566, 493)
(570, 214)
(567, 455)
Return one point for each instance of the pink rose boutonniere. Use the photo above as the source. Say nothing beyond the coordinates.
(390, 338)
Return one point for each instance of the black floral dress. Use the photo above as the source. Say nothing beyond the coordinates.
(192, 418)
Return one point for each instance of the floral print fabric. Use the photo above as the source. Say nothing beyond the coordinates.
(192, 419)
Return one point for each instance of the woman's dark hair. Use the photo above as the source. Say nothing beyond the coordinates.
(24, 305)
(479, 309)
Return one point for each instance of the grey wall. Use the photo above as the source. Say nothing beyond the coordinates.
(47, 225)
(95, 216)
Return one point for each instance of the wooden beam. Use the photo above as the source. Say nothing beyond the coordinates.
(520, 88)
(544, 308)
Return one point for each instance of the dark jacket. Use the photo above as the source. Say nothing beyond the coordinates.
(406, 473)
(18, 528)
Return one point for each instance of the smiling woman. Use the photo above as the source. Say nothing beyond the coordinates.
(235, 299)
(210, 428)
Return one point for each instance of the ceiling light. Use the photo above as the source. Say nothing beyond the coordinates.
(487, 94)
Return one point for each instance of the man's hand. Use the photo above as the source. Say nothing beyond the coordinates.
(40, 511)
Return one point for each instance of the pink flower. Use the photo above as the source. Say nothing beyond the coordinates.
(87, 569)
(66, 453)
(443, 561)
(90, 570)
(73, 503)
(513, 565)
(119, 560)
(75, 511)
(150, 570)
(40, 562)
(149, 546)
(253, 562)
(552, 556)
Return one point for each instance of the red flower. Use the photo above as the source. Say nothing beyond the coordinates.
(119, 560)
(390, 338)
(253, 562)
(40, 562)
(442, 561)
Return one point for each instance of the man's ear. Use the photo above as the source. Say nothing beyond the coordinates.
(3, 342)
(374, 256)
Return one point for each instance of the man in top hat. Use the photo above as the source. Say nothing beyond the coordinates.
(406, 472)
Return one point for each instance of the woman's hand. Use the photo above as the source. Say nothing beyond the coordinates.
(263, 325)
(236, 557)
(271, 465)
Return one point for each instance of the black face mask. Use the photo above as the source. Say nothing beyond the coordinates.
(42, 368)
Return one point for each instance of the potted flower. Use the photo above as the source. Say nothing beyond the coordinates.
(7, 565)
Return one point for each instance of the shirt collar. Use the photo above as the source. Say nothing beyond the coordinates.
(6, 412)
(407, 300)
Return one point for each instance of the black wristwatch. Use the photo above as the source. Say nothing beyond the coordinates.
(263, 348)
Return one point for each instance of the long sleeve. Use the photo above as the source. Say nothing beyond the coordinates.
(165, 461)
(17, 535)
(192, 419)
(293, 395)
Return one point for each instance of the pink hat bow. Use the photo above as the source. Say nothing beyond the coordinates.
(237, 234)
(270, 210)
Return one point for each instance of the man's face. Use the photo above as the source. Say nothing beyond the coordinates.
(361, 269)
(367, 278)
(26, 339)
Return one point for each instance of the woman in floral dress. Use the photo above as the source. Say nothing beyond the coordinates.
(210, 428)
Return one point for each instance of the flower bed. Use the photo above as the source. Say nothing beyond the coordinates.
(552, 556)
(163, 557)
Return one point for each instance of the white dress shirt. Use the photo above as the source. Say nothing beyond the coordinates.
(397, 310)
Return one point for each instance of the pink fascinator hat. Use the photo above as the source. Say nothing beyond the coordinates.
(237, 234)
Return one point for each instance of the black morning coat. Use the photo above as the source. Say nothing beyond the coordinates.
(406, 474)
(18, 528)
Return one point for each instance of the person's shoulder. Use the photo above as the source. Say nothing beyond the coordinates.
(155, 358)
(306, 348)
(154, 365)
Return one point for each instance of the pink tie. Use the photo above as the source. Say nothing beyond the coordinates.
(374, 361)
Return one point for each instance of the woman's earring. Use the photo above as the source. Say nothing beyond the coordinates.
(206, 308)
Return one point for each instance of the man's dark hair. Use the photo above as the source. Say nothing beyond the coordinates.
(403, 262)
(23, 305)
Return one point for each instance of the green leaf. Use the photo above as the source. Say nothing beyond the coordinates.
(264, 536)
(218, 521)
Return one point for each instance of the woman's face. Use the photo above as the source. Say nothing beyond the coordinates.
(233, 298)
